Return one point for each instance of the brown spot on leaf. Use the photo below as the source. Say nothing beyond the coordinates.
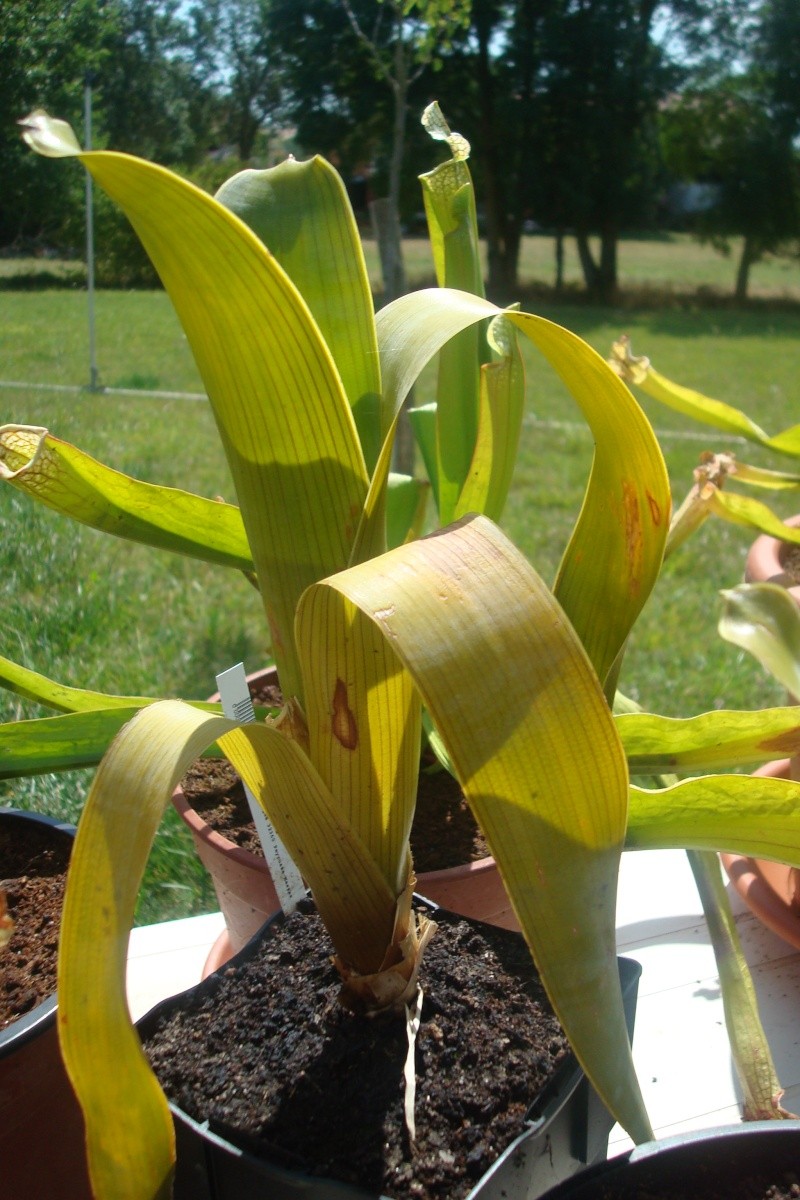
(787, 742)
(655, 509)
(344, 725)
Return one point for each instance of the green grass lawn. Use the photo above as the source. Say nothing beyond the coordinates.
(103, 614)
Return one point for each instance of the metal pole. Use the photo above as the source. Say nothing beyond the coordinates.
(87, 126)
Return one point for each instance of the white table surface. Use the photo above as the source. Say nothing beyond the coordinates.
(680, 1046)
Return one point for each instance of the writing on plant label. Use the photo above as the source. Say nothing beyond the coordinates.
(238, 706)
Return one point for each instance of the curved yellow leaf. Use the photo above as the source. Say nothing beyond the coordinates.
(130, 1142)
(543, 768)
(284, 418)
(129, 1132)
(617, 547)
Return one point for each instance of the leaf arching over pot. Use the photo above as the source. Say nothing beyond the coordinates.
(550, 789)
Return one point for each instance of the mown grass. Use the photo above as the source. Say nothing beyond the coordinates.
(103, 614)
(667, 266)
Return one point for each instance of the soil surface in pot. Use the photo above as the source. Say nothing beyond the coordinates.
(444, 833)
(313, 1087)
(34, 871)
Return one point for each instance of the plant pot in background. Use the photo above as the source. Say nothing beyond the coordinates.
(566, 1128)
(247, 896)
(770, 889)
(767, 561)
(41, 1125)
(731, 1162)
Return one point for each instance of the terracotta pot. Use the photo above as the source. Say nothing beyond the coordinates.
(770, 889)
(247, 896)
(41, 1124)
(244, 887)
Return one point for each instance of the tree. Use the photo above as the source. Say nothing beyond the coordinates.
(150, 101)
(562, 119)
(401, 43)
(46, 49)
(597, 148)
(726, 135)
(232, 52)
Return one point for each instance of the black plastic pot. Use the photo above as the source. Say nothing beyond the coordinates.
(705, 1164)
(41, 1126)
(568, 1128)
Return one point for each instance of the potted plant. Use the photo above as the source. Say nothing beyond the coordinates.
(545, 770)
(477, 417)
(35, 1093)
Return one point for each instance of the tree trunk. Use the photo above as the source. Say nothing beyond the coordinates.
(394, 279)
(502, 250)
(559, 250)
(749, 255)
(608, 281)
(600, 277)
(590, 269)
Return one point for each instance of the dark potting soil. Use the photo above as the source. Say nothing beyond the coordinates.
(316, 1088)
(33, 873)
(444, 833)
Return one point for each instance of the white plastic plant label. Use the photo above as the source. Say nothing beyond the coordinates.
(236, 704)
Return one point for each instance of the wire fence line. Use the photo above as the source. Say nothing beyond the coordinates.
(531, 421)
(77, 388)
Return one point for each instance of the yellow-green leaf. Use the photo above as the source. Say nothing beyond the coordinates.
(657, 745)
(301, 212)
(543, 769)
(752, 513)
(49, 692)
(284, 418)
(62, 743)
(72, 483)
(638, 370)
(742, 814)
